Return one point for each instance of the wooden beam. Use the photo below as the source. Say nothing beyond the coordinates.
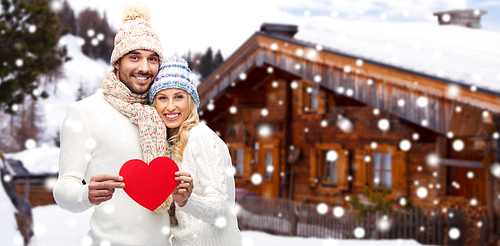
(484, 163)
(442, 171)
(460, 163)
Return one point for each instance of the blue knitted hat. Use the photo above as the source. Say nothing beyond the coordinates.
(174, 73)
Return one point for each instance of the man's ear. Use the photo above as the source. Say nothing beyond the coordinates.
(116, 65)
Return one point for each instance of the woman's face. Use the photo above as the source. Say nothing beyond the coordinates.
(173, 106)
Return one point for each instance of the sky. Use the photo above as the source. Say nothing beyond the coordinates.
(224, 25)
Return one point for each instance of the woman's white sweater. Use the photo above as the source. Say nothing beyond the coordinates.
(208, 216)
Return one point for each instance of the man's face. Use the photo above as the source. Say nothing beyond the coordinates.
(137, 69)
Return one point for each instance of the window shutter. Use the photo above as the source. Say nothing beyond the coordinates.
(399, 174)
(247, 163)
(321, 101)
(360, 174)
(313, 167)
(343, 170)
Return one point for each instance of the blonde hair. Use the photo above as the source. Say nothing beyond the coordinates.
(181, 135)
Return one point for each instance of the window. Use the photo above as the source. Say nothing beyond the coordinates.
(241, 157)
(269, 165)
(382, 170)
(311, 98)
(330, 172)
(386, 169)
(329, 168)
(238, 161)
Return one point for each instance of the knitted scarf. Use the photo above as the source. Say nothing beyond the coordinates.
(153, 132)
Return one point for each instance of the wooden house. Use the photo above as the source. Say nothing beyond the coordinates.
(36, 188)
(317, 123)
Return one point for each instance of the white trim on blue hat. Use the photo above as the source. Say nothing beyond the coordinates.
(174, 73)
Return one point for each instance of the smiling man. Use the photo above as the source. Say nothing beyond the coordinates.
(97, 139)
(137, 69)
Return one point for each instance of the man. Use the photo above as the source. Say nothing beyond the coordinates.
(96, 140)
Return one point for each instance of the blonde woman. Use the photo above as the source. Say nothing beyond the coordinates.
(205, 217)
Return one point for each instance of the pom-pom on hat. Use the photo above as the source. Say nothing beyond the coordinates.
(174, 73)
(135, 33)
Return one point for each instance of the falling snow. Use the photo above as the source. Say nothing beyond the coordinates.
(422, 192)
(405, 145)
(383, 124)
(345, 125)
(458, 145)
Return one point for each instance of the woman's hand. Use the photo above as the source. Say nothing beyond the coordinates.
(184, 188)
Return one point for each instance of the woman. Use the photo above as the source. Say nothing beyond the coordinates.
(205, 217)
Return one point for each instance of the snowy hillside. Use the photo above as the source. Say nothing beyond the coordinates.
(80, 72)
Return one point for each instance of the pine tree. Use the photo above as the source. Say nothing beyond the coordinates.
(195, 62)
(29, 34)
(205, 66)
(217, 61)
(67, 17)
(97, 34)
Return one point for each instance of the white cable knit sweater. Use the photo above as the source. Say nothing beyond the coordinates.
(97, 139)
(207, 219)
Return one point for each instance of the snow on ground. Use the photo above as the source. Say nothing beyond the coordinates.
(56, 227)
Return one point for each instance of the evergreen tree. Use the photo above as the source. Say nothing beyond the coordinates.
(205, 66)
(217, 61)
(67, 17)
(195, 62)
(29, 34)
(97, 34)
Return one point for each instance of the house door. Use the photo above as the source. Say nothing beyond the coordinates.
(269, 168)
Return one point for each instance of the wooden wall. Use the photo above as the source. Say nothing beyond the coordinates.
(39, 194)
(298, 128)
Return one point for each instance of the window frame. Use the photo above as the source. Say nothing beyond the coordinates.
(247, 160)
(304, 98)
(382, 169)
(399, 169)
(318, 168)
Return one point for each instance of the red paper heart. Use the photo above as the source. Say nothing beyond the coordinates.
(149, 185)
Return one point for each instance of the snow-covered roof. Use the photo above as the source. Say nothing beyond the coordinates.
(465, 56)
(38, 161)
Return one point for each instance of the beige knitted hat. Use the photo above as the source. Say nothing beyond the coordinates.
(135, 33)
